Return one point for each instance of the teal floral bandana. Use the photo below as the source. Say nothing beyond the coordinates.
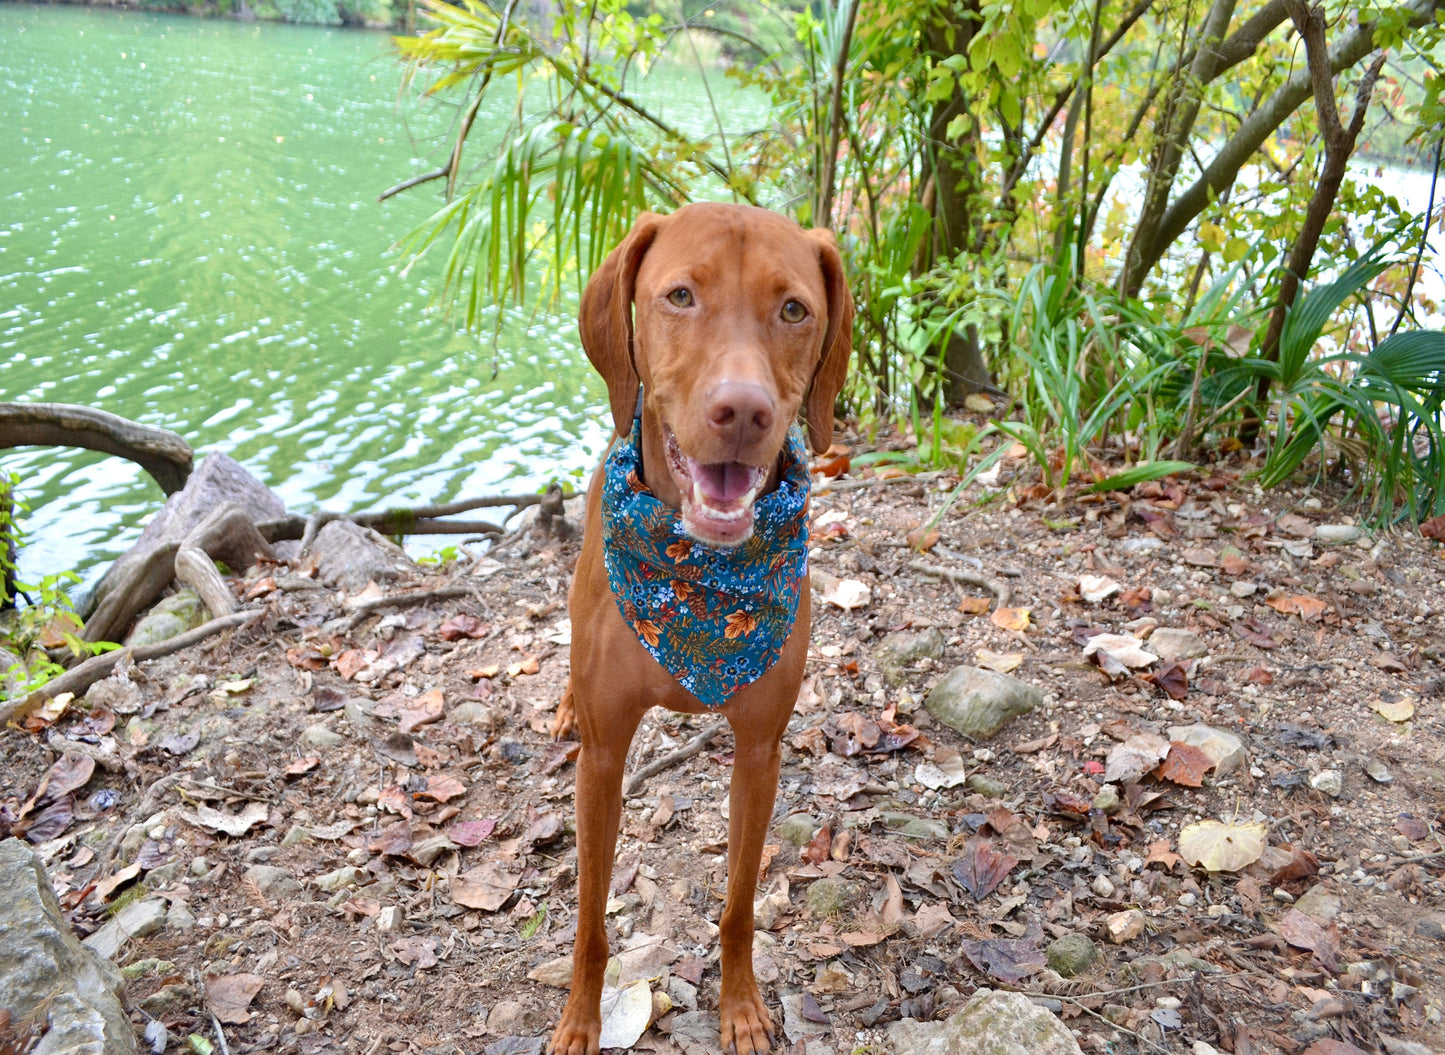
(715, 619)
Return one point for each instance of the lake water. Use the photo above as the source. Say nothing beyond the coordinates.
(190, 237)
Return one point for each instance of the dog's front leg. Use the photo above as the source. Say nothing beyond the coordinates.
(746, 1027)
(599, 810)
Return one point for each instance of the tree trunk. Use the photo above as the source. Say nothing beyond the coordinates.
(159, 452)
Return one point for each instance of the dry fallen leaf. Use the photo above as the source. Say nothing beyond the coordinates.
(1010, 618)
(1096, 588)
(1219, 847)
(974, 605)
(1125, 648)
(1399, 711)
(1186, 765)
(228, 996)
(485, 887)
(1303, 605)
(848, 594)
(1003, 662)
(233, 824)
(1129, 761)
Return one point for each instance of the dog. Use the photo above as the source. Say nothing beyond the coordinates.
(713, 328)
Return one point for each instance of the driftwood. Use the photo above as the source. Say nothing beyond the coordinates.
(161, 453)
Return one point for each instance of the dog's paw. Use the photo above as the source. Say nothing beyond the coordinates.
(576, 1035)
(564, 722)
(747, 1028)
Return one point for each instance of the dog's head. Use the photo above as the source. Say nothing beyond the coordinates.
(734, 319)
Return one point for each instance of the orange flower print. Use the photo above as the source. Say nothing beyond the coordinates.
(650, 632)
(682, 589)
(678, 551)
(740, 623)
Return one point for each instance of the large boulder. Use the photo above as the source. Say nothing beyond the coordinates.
(47, 975)
(349, 556)
(218, 479)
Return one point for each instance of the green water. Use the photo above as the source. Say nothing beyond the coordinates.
(190, 237)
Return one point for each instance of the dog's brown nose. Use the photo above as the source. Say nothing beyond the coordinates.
(741, 412)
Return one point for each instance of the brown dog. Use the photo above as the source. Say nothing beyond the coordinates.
(742, 320)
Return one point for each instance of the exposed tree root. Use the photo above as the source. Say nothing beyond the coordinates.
(159, 452)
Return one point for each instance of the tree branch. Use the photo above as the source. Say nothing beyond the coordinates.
(159, 452)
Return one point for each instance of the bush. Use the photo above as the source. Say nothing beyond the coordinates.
(365, 12)
(310, 12)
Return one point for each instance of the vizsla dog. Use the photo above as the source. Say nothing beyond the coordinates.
(713, 327)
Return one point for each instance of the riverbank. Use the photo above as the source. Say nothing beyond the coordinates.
(350, 809)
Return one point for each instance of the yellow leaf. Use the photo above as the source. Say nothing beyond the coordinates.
(1402, 711)
(1011, 618)
(1219, 847)
(999, 661)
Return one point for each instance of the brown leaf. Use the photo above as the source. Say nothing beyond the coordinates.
(353, 661)
(471, 833)
(974, 605)
(1173, 680)
(413, 950)
(1010, 618)
(1160, 854)
(851, 733)
(1434, 528)
(427, 708)
(1010, 960)
(68, 774)
(530, 665)
(302, 766)
(1302, 865)
(1186, 765)
(821, 846)
(1330, 1046)
(395, 799)
(1411, 827)
(1137, 600)
(394, 839)
(462, 625)
(229, 996)
(1256, 634)
(922, 540)
(982, 868)
(1306, 606)
(486, 887)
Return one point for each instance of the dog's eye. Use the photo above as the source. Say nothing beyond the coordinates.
(681, 297)
(793, 311)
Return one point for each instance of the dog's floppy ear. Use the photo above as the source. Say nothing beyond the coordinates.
(605, 320)
(837, 344)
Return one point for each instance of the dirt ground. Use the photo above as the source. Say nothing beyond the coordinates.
(400, 870)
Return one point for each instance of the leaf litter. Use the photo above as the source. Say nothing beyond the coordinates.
(379, 806)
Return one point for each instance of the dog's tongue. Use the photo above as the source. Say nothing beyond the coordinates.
(724, 482)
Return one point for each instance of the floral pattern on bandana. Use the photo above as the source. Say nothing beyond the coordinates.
(715, 619)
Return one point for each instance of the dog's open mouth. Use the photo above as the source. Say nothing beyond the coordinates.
(717, 497)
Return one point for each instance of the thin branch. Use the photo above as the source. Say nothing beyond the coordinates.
(667, 761)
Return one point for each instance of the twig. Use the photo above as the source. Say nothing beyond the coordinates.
(220, 1035)
(362, 609)
(686, 751)
(80, 678)
(1000, 590)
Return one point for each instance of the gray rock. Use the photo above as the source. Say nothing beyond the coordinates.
(897, 652)
(139, 919)
(1071, 955)
(991, 1023)
(339, 879)
(988, 787)
(830, 896)
(475, 712)
(1335, 533)
(510, 1018)
(320, 737)
(978, 702)
(180, 917)
(179, 612)
(116, 693)
(1330, 781)
(46, 971)
(219, 478)
(1171, 644)
(796, 828)
(10, 673)
(911, 826)
(272, 882)
(1224, 749)
(348, 557)
(1319, 902)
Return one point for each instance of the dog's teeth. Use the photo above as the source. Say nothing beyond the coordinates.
(698, 498)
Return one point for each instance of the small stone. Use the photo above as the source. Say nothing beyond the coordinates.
(1335, 533)
(979, 702)
(474, 712)
(1378, 771)
(510, 1018)
(1283, 896)
(1243, 588)
(830, 896)
(796, 828)
(1107, 798)
(1188, 899)
(272, 883)
(139, 919)
(1319, 903)
(180, 917)
(1171, 644)
(339, 879)
(1329, 781)
(319, 737)
(988, 787)
(388, 919)
(1125, 926)
(1102, 886)
(171, 999)
(899, 651)
(1071, 955)
(1223, 748)
(990, 1022)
